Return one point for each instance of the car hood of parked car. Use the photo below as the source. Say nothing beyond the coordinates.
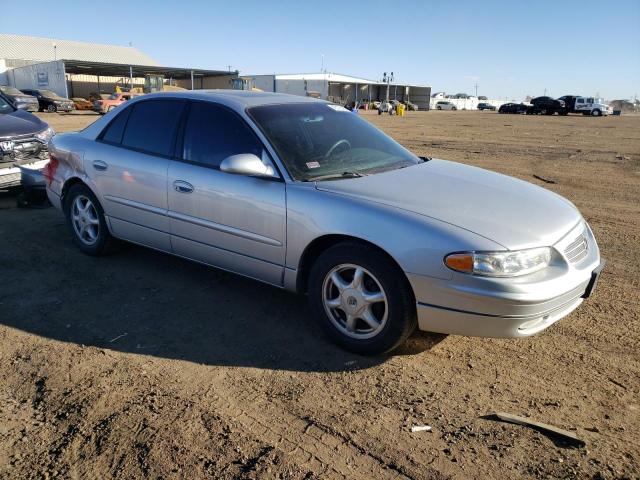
(19, 122)
(511, 212)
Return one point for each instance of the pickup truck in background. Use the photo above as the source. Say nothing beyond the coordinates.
(584, 105)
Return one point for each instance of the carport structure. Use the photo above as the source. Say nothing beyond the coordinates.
(190, 78)
(79, 78)
(338, 88)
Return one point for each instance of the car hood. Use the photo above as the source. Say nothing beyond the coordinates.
(25, 98)
(20, 123)
(511, 212)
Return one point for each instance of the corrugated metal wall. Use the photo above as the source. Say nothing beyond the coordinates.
(80, 85)
(421, 96)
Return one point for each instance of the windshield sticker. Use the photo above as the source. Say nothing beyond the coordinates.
(338, 108)
(313, 165)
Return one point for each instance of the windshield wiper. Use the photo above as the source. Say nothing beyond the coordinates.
(337, 175)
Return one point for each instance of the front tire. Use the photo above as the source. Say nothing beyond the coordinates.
(596, 113)
(86, 221)
(361, 299)
(52, 109)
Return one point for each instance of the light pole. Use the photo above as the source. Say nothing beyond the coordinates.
(55, 53)
(387, 79)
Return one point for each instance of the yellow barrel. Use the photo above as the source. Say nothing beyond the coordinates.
(400, 110)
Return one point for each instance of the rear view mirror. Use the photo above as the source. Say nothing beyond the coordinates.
(247, 164)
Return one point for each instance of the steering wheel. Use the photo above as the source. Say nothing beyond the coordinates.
(336, 145)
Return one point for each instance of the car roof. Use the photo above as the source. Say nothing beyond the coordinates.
(238, 98)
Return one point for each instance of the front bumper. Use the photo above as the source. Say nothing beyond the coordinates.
(28, 106)
(509, 307)
(26, 173)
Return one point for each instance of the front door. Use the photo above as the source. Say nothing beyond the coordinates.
(234, 222)
(129, 168)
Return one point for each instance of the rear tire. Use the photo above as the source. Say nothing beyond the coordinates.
(86, 221)
(369, 313)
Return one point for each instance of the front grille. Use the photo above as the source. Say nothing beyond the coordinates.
(577, 249)
(23, 147)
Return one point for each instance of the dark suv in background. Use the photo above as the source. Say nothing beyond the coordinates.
(23, 144)
(545, 106)
(20, 100)
(50, 101)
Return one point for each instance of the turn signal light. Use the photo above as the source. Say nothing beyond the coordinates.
(461, 262)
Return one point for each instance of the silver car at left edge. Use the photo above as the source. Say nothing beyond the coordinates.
(307, 196)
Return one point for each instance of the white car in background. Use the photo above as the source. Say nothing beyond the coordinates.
(444, 105)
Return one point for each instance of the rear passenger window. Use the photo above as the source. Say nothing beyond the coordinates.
(152, 126)
(113, 133)
(212, 133)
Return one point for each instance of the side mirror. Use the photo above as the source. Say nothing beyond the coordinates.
(247, 164)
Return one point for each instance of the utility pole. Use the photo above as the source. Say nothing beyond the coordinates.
(476, 87)
(387, 79)
(55, 53)
(322, 63)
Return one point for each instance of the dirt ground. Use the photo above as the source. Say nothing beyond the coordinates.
(141, 365)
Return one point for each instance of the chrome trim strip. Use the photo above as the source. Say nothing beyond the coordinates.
(140, 206)
(191, 240)
(196, 221)
(224, 229)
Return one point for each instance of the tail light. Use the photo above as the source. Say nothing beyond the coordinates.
(50, 168)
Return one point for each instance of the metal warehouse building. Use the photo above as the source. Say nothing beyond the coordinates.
(75, 69)
(338, 88)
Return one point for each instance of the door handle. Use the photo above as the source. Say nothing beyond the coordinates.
(99, 165)
(182, 186)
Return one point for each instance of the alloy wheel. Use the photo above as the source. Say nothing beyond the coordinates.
(355, 301)
(85, 220)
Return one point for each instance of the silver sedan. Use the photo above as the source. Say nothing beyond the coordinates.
(304, 195)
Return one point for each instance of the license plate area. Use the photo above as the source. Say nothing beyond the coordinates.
(595, 275)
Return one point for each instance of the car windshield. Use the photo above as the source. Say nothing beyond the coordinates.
(5, 107)
(11, 91)
(324, 141)
(49, 94)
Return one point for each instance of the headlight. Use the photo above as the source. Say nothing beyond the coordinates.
(45, 135)
(500, 264)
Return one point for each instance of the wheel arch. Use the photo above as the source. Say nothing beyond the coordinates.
(323, 243)
(70, 182)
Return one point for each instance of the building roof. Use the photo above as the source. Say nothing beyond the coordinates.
(124, 69)
(329, 77)
(39, 49)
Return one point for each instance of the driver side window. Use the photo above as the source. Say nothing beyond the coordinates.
(213, 133)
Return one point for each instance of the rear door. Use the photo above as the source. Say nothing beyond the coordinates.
(232, 221)
(129, 166)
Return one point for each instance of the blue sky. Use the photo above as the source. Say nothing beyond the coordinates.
(509, 48)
